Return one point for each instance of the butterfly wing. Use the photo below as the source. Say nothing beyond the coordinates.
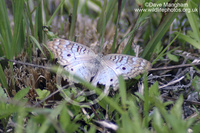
(113, 65)
(74, 57)
(126, 65)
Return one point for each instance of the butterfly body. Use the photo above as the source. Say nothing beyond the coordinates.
(83, 62)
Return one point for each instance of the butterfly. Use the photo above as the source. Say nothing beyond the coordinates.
(80, 60)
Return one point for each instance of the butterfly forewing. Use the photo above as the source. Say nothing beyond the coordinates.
(74, 57)
(126, 65)
(68, 52)
(113, 65)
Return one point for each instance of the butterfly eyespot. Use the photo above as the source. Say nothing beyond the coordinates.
(69, 55)
(123, 68)
(111, 79)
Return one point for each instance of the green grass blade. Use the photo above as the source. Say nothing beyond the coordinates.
(5, 30)
(74, 16)
(131, 34)
(46, 9)
(146, 101)
(190, 40)
(28, 14)
(162, 29)
(129, 44)
(105, 15)
(102, 34)
(161, 54)
(122, 89)
(120, 6)
(3, 78)
(192, 18)
(21, 94)
(137, 121)
(109, 9)
(101, 18)
(18, 29)
(39, 22)
(20, 115)
(37, 44)
(54, 14)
